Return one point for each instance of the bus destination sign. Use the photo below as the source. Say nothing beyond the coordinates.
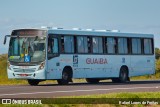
(29, 32)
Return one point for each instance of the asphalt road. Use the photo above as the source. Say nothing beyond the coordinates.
(76, 89)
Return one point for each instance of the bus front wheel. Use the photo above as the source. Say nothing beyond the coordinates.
(65, 79)
(33, 82)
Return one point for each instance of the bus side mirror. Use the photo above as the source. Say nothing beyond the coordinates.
(5, 39)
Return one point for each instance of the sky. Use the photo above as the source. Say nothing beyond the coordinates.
(136, 16)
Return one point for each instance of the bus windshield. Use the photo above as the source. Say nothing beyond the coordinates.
(27, 49)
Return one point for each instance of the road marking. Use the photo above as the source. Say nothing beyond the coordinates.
(6, 87)
(71, 91)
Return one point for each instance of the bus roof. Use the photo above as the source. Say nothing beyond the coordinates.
(97, 33)
(92, 32)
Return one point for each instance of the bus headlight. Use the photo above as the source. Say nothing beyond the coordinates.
(41, 66)
(9, 65)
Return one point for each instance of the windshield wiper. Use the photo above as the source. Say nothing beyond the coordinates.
(36, 38)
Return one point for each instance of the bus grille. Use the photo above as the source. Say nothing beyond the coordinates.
(24, 70)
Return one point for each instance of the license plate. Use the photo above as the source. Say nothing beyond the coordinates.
(24, 67)
(23, 75)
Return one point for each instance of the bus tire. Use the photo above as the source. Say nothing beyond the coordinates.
(66, 77)
(33, 82)
(92, 80)
(123, 75)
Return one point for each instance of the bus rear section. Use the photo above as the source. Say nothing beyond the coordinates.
(96, 56)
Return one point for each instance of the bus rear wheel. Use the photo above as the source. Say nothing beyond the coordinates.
(33, 82)
(123, 76)
(65, 78)
(92, 80)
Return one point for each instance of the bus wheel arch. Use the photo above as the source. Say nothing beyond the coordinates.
(124, 74)
(67, 75)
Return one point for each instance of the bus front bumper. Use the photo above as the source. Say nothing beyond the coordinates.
(40, 74)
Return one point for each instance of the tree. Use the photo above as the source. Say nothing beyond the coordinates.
(157, 53)
(158, 65)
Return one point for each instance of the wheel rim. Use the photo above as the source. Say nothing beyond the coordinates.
(124, 76)
(65, 76)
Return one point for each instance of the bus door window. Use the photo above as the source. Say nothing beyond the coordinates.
(53, 46)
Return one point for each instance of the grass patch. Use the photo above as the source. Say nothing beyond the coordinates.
(147, 77)
(123, 95)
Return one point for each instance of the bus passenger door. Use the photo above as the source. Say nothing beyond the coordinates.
(53, 60)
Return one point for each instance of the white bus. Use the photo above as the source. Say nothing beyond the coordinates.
(60, 54)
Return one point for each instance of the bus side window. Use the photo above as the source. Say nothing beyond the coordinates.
(97, 45)
(68, 44)
(111, 45)
(148, 46)
(82, 44)
(136, 46)
(122, 46)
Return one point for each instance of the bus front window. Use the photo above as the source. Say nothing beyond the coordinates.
(27, 49)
